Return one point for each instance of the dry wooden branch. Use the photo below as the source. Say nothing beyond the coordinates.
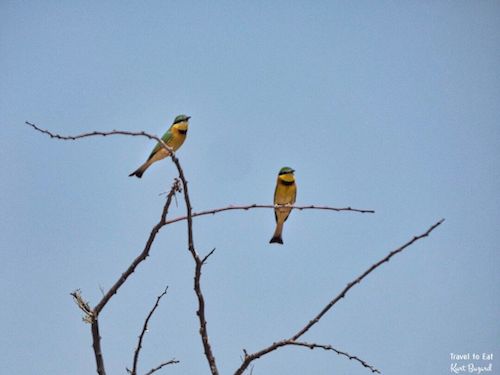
(145, 252)
(91, 315)
(198, 262)
(94, 133)
(247, 207)
(339, 352)
(153, 370)
(96, 345)
(143, 332)
(207, 349)
(249, 358)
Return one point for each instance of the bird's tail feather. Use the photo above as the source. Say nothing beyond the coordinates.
(140, 171)
(137, 173)
(277, 234)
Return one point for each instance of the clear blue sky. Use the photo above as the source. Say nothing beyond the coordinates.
(391, 106)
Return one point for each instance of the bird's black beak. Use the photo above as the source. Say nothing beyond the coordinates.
(188, 117)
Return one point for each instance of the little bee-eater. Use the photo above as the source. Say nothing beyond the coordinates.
(284, 194)
(173, 138)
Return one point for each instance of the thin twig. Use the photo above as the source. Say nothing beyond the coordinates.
(339, 352)
(362, 276)
(207, 256)
(94, 133)
(143, 332)
(153, 370)
(84, 306)
(248, 358)
(250, 206)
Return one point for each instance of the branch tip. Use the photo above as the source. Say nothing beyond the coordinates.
(143, 332)
(83, 305)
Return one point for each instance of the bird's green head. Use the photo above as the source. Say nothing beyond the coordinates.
(286, 170)
(181, 118)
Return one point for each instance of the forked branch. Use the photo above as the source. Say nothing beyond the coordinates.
(143, 332)
(249, 358)
(198, 261)
(145, 252)
(91, 315)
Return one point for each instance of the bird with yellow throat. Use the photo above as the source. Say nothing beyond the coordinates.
(173, 138)
(284, 197)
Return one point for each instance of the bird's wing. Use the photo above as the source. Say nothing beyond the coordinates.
(166, 138)
(274, 201)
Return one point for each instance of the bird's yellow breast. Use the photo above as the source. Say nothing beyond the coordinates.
(179, 132)
(286, 190)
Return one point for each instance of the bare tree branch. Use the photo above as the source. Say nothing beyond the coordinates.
(207, 349)
(248, 358)
(176, 162)
(362, 276)
(84, 306)
(250, 206)
(96, 345)
(198, 262)
(91, 318)
(143, 332)
(175, 188)
(91, 315)
(153, 370)
(207, 256)
(94, 133)
(339, 352)
(145, 252)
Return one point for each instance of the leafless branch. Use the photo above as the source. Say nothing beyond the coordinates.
(362, 276)
(153, 370)
(96, 345)
(143, 332)
(91, 315)
(339, 352)
(113, 290)
(198, 262)
(250, 206)
(101, 133)
(145, 252)
(207, 256)
(175, 160)
(207, 349)
(175, 188)
(91, 318)
(94, 313)
(248, 358)
(84, 306)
